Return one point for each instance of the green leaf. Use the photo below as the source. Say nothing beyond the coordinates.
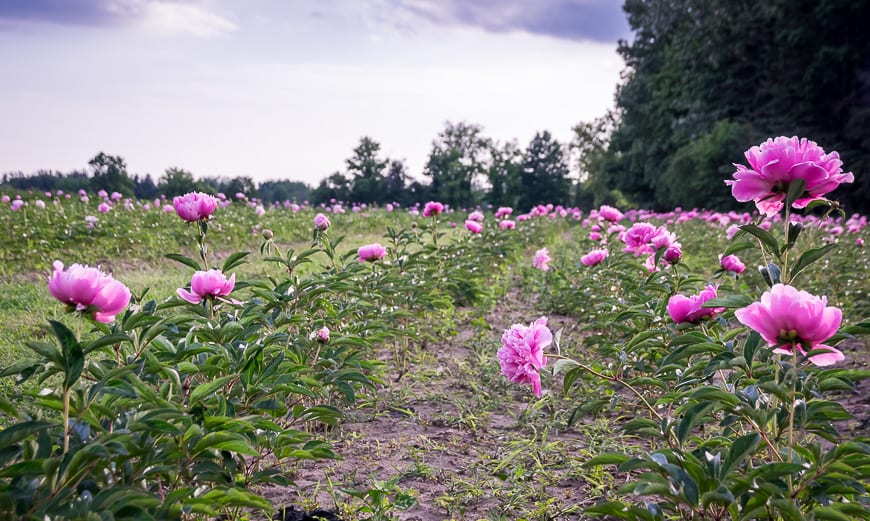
(611, 458)
(73, 357)
(187, 261)
(740, 450)
(737, 247)
(203, 390)
(808, 257)
(729, 302)
(796, 189)
(693, 416)
(234, 260)
(763, 235)
(19, 431)
(563, 364)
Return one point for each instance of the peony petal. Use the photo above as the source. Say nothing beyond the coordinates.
(188, 296)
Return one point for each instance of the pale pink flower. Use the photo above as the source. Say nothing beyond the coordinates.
(522, 353)
(88, 289)
(789, 320)
(321, 222)
(507, 224)
(16, 205)
(776, 163)
(473, 226)
(732, 263)
(371, 252)
(5, 199)
(503, 211)
(609, 213)
(476, 215)
(684, 309)
(102, 194)
(321, 335)
(40, 204)
(103, 208)
(542, 259)
(859, 242)
(207, 285)
(594, 257)
(194, 206)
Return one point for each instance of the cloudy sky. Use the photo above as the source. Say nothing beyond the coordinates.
(284, 89)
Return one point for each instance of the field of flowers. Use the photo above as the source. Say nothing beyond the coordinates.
(215, 358)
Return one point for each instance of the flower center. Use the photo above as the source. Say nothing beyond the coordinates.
(789, 335)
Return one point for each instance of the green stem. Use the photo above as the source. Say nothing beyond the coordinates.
(66, 398)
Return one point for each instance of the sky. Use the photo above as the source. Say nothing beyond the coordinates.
(285, 89)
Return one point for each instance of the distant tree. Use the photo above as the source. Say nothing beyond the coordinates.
(272, 191)
(397, 184)
(336, 186)
(366, 172)
(177, 181)
(544, 176)
(144, 187)
(110, 174)
(240, 184)
(589, 149)
(458, 160)
(505, 174)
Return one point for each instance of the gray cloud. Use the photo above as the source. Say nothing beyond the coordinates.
(85, 12)
(596, 20)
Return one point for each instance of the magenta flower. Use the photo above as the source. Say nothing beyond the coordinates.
(503, 211)
(321, 335)
(195, 206)
(594, 257)
(103, 208)
(683, 309)
(541, 259)
(507, 224)
(609, 213)
(207, 285)
(432, 208)
(473, 226)
(371, 252)
(522, 353)
(321, 222)
(89, 289)
(476, 215)
(732, 263)
(638, 238)
(788, 319)
(776, 163)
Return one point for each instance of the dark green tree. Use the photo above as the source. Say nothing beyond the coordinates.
(458, 161)
(110, 174)
(366, 172)
(335, 187)
(177, 181)
(397, 183)
(505, 174)
(544, 175)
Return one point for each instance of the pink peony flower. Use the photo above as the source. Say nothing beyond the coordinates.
(207, 284)
(788, 319)
(776, 163)
(859, 242)
(507, 224)
(89, 289)
(321, 335)
(103, 208)
(473, 226)
(594, 257)
(684, 309)
(541, 260)
(637, 239)
(476, 216)
(732, 263)
(503, 211)
(194, 206)
(371, 252)
(16, 205)
(522, 353)
(609, 213)
(321, 222)
(432, 208)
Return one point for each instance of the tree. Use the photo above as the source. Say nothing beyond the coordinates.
(458, 161)
(505, 174)
(110, 174)
(177, 181)
(366, 171)
(272, 191)
(397, 183)
(335, 187)
(544, 176)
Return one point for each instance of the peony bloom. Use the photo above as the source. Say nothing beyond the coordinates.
(503, 211)
(522, 353)
(594, 257)
(16, 205)
(88, 289)
(859, 242)
(507, 224)
(432, 208)
(776, 163)
(207, 284)
(788, 319)
(321, 222)
(194, 206)
(103, 208)
(473, 226)
(371, 252)
(476, 215)
(609, 213)
(684, 309)
(321, 335)
(542, 258)
(732, 263)
(638, 238)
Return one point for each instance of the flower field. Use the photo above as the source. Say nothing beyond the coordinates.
(215, 358)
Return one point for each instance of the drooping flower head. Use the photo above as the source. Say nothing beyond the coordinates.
(371, 252)
(321, 222)
(773, 166)
(88, 289)
(732, 263)
(522, 353)
(194, 206)
(542, 259)
(683, 309)
(432, 208)
(594, 257)
(789, 320)
(207, 285)
(473, 226)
